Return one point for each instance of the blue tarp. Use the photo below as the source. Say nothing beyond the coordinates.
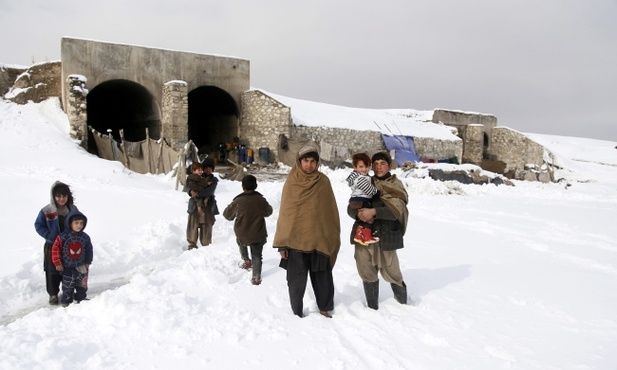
(403, 146)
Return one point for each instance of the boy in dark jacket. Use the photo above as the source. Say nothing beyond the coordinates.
(199, 225)
(72, 255)
(389, 214)
(249, 210)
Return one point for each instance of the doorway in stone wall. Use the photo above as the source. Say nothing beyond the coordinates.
(485, 146)
(212, 118)
(122, 105)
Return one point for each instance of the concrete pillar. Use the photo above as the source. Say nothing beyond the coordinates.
(175, 114)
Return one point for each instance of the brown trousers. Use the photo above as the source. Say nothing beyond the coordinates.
(199, 226)
(371, 259)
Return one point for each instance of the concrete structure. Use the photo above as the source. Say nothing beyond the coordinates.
(204, 98)
(134, 88)
(474, 128)
(497, 149)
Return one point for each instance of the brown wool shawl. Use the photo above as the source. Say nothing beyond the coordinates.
(394, 196)
(308, 217)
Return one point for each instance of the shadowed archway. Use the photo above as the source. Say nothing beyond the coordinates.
(212, 118)
(122, 104)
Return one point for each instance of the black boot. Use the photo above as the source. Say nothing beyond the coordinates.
(400, 293)
(371, 290)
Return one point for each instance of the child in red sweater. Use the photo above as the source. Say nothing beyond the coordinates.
(72, 256)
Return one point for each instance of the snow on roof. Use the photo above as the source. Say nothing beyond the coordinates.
(15, 66)
(408, 122)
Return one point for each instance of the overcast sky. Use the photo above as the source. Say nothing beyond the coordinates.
(540, 66)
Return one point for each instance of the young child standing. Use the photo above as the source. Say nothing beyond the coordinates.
(49, 224)
(72, 255)
(196, 182)
(249, 210)
(362, 191)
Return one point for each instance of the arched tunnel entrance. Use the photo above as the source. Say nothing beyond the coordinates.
(122, 105)
(212, 119)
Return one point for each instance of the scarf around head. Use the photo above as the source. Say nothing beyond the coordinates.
(308, 217)
(394, 196)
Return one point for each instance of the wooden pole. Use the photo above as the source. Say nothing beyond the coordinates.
(111, 142)
(160, 155)
(123, 148)
(148, 158)
(181, 167)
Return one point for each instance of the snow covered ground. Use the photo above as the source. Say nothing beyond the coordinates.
(499, 277)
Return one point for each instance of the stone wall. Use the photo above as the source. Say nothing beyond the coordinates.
(515, 149)
(76, 108)
(473, 144)
(346, 142)
(438, 149)
(262, 120)
(354, 140)
(8, 75)
(37, 83)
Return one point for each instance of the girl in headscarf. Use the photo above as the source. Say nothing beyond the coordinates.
(49, 224)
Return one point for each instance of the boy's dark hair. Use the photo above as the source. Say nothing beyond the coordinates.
(249, 182)
(382, 156)
(208, 162)
(195, 166)
(78, 217)
(360, 157)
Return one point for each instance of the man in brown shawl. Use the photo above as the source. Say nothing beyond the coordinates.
(308, 232)
(388, 215)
